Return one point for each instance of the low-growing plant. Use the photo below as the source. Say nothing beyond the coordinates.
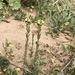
(39, 22)
(28, 22)
(35, 62)
(14, 5)
(4, 63)
(58, 14)
(20, 16)
(8, 48)
(60, 17)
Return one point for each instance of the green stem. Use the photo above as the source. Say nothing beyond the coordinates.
(32, 44)
(27, 40)
(37, 43)
(36, 53)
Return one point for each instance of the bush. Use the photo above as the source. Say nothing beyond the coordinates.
(13, 4)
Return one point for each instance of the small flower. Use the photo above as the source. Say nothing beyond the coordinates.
(66, 23)
(22, 25)
(8, 54)
(26, 20)
(12, 54)
(32, 7)
(18, 69)
(4, 70)
(40, 22)
(11, 45)
(29, 21)
(52, 60)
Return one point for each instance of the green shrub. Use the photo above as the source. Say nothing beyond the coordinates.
(13, 4)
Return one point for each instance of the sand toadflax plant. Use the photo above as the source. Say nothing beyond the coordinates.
(40, 23)
(28, 22)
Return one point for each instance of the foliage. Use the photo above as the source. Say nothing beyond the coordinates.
(29, 3)
(13, 72)
(14, 4)
(35, 62)
(1, 4)
(4, 63)
(60, 17)
(70, 69)
(8, 48)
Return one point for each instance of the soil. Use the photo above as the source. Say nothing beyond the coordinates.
(16, 34)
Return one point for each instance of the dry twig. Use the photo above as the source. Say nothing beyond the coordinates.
(67, 63)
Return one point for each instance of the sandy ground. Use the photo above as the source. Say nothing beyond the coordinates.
(16, 35)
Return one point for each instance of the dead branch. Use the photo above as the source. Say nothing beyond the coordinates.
(67, 63)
